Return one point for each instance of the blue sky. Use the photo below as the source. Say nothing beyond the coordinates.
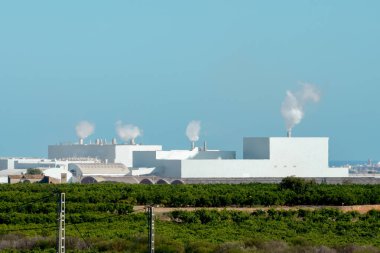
(160, 64)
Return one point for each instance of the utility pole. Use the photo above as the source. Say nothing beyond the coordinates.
(61, 224)
(151, 228)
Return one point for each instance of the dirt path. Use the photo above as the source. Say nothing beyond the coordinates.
(360, 208)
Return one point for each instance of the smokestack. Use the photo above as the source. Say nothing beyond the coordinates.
(128, 133)
(204, 146)
(84, 129)
(97, 142)
(192, 145)
(192, 132)
(114, 142)
(293, 107)
(289, 133)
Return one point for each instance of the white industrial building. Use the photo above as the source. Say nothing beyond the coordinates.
(81, 170)
(262, 157)
(170, 163)
(106, 153)
(61, 174)
(12, 166)
(23, 163)
(265, 157)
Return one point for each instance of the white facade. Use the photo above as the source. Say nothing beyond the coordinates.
(57, 174)
(53, 168)
(163, 159)
(142, 171)
(151, 158)
(24, 163)
(81, 170)
(290, 153)
(107, 153)
(251, 168)
(263, 157)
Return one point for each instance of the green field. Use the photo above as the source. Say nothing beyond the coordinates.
(100, 217)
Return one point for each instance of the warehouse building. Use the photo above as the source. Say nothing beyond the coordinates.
(80, 170)
(262, 157)
(106, 153)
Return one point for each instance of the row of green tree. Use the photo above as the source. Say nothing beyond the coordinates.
(206, 230)
(108, 197)
(104, 215)
(323, 215)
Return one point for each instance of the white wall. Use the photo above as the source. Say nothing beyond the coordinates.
(302, 157)
(142, 171)
(24, 163)
(223, 168)
(154, 158)
(214, 154)
(194, 154)
(56, 173)
(305, 152)
(169, 163)
(3, 180)
(251, 168)
(289, 152)
(124, 153)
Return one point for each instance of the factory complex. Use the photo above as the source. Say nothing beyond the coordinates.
(263, 157)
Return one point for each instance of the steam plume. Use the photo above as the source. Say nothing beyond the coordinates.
(128, 132)
(84, 129)
(193, 129)
(292, 109)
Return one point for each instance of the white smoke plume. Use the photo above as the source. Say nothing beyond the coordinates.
(193, 129)
(128, 132)
(292, 109)
(84, 129)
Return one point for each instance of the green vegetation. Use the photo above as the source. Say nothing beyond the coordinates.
(292, 191)
(100, 217)
(32, 171)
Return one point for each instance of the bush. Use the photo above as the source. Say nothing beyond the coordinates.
(33, 171)
(298, 185)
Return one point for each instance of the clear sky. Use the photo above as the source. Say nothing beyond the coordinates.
(160, 64)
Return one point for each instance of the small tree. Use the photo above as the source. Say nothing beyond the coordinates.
(298, 185)
(32, 171)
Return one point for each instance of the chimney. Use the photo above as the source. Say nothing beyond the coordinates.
(81, 141)
(192, 145)
(97, 142)
(289, 133)
(132, 142)
(204, 146)
(114, 142)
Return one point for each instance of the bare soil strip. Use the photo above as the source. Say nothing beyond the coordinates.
(359, 208)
